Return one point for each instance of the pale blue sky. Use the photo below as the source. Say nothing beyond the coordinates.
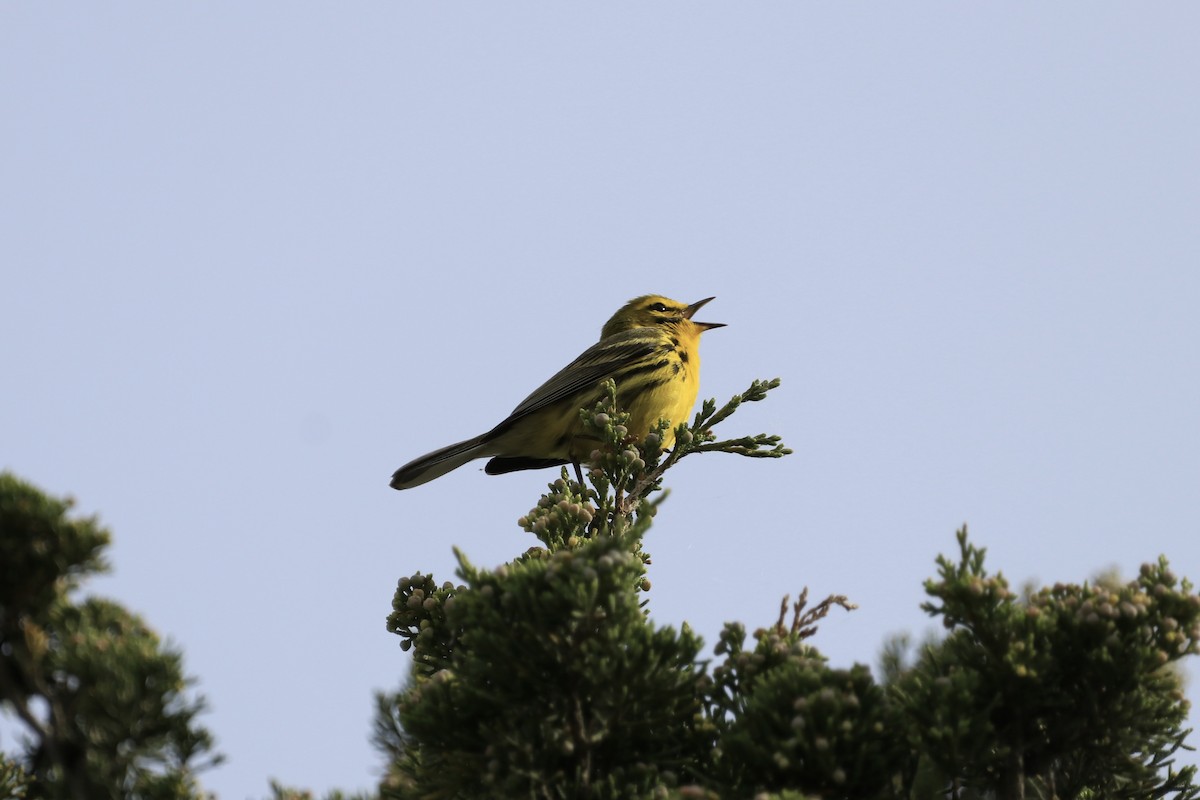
(257, 255)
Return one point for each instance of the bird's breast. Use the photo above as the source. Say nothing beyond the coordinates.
(669, 392)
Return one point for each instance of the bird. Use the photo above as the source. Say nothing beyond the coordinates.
(650, 348)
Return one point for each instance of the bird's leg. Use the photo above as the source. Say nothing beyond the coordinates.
(578, 474)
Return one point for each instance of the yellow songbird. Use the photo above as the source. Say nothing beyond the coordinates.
(651, 348)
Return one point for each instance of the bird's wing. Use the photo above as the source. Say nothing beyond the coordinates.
(608, 358)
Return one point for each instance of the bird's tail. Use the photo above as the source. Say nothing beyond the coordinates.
(438, 463)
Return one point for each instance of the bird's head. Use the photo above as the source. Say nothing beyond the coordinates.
(655, 310)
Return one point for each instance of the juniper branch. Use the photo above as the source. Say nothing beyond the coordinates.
(628, 466)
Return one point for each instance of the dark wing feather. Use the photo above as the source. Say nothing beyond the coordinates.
(608, 358)
(504, 464)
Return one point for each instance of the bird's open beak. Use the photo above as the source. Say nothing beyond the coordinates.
(696, 306)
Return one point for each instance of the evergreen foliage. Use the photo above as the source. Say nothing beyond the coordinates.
(787, 720)
(281, 792)
(1066, 693)
(14, 780)
(101, 699)
(544, 677)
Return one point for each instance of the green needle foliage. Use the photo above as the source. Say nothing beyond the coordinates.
(102, 701)
(592, 698)
(544, 677)
(1069, 692)
(788, 721)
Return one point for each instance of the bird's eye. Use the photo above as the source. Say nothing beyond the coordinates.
(658, 307)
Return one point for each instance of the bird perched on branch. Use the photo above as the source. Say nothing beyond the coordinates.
(650, 347)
